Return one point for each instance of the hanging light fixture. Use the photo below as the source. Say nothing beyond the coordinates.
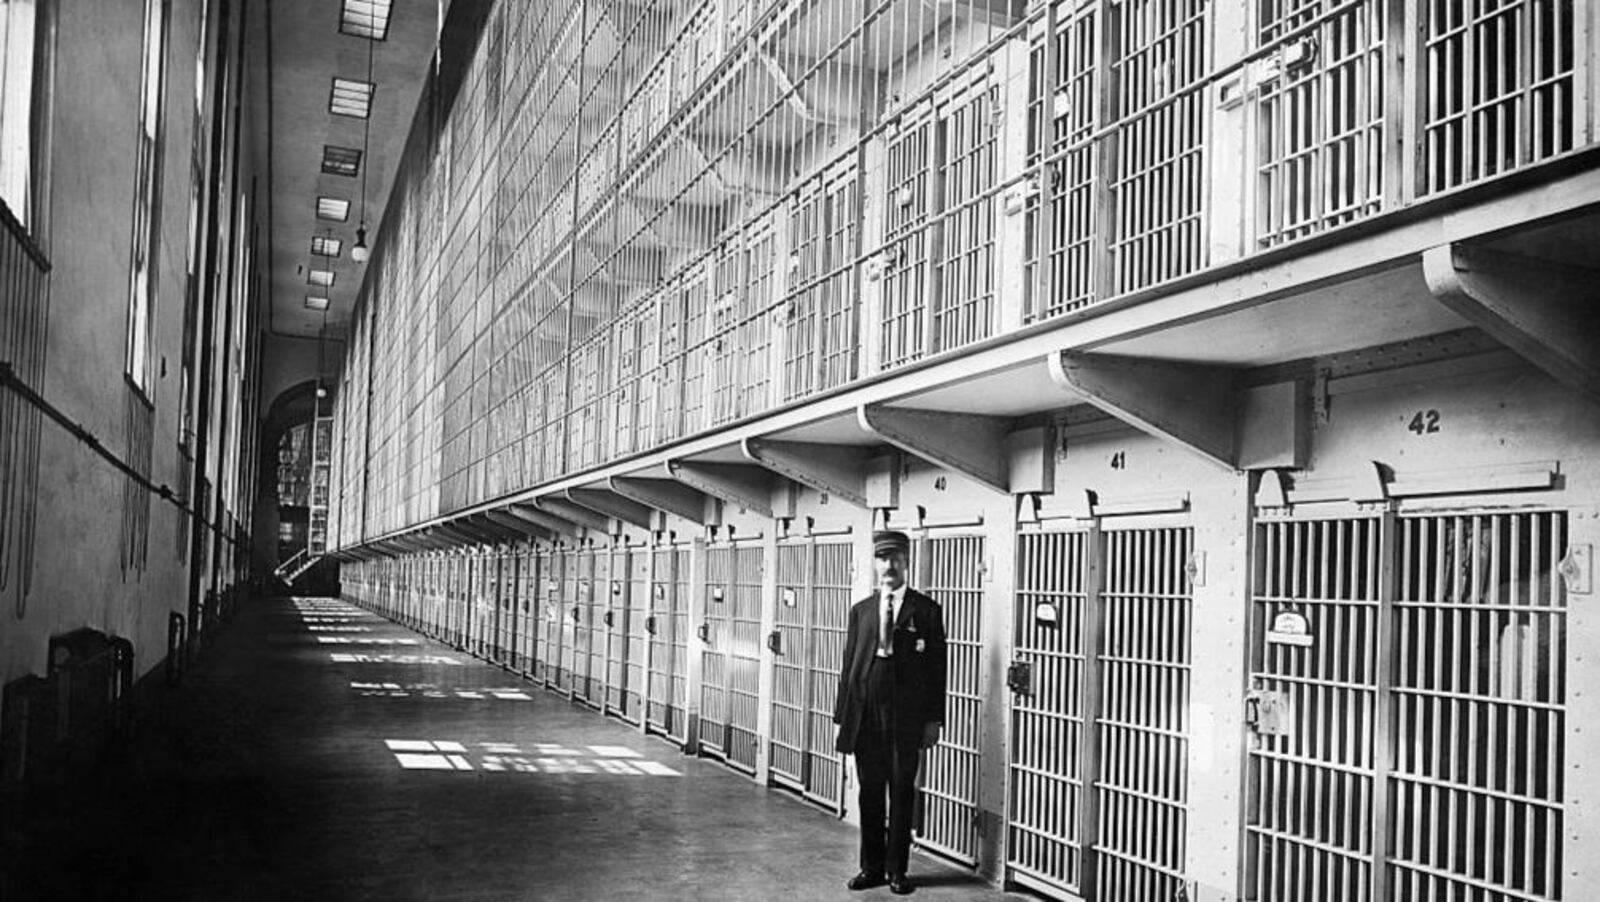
(322, 360)
(359, 251)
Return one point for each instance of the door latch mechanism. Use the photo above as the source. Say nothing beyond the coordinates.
(1268, 713)
(1019, 677)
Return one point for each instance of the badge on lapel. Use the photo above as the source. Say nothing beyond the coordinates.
(922, 646)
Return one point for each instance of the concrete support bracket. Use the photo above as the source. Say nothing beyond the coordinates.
(611, 504)
(574, 513)
(837, 470)
(495, 531)
(745, 485)
(1189, 404)
(666, 495)
(1544, 311)
(971, 444)
(462, 534)
(512, 521)
(545, 520)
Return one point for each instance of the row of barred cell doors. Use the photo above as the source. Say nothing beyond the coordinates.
(1417, 712)
(1406, 703)
(606, 625)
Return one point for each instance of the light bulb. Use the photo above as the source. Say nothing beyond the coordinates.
(359, 252)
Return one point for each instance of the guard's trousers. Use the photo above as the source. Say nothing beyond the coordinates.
(887, 769)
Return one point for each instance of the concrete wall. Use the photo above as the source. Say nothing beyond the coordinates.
(80, 576)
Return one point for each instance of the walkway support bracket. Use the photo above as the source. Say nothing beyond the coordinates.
(1547, 312)
(512, 521)
(574, 513)
(497, 531)
(1192, 405)
(611, 504)
(463, 534)
(836, 470)
(745, 485)
(968, 443)
(548, 522)
(666, 495)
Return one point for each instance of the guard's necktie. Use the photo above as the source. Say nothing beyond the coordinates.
(886, 626)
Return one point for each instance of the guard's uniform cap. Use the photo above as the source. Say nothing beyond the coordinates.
(890, 541)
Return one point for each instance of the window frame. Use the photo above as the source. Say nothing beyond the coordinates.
(145, 225)
(32, 221)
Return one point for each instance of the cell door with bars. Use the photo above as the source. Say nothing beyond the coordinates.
(528, 608)
(1408, 692)
(731, 655)
(589, 679)
(547, 597)
(819, 318)
(910, 184)
(471, 601)
(1098, 777)
(812, 607)
(1158, 167)
(457, 616)
(668, 626)
(953, 576)
(965, 298)
(722, 352)
(505, 618)
(1065, 240)
(563, 594)
(637, 661)
(612, 608)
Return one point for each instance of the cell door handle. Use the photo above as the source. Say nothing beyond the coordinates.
(650, 625)
(576, 614)
(704, 632)
(1019, 678)
(775, 642)
(609, 618)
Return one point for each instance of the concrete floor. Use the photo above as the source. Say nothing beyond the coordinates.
(360, 761)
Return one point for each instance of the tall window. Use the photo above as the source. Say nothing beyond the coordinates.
(147, 197)
(21, 28)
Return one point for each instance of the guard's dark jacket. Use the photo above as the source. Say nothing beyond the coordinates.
(919, 667)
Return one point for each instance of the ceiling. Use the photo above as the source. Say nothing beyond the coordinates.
(305, 52)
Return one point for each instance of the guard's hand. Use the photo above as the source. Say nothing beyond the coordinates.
(930, 734)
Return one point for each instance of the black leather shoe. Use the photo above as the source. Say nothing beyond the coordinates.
(866, 880)
(901, 885)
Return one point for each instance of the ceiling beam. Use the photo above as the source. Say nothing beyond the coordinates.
(667, 495)
(968, 443)
(607, 502)
(1190, 405)
(745, 485)
(836, 470)
(1542, 310)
